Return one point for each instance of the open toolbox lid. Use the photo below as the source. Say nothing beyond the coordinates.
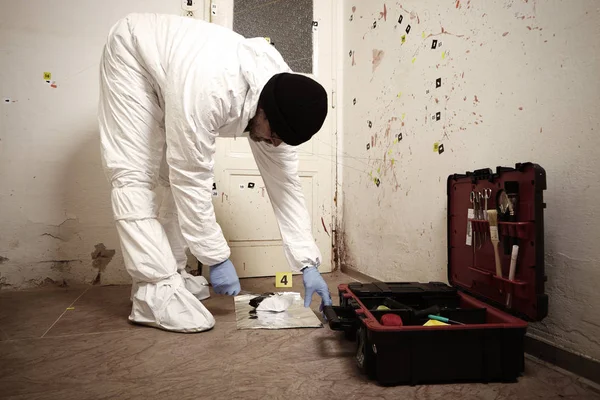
(472, 268)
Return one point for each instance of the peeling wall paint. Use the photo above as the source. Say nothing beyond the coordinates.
(481, 84)
(102, 257)
(55, 199)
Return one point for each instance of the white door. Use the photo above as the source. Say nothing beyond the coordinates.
(241, 202)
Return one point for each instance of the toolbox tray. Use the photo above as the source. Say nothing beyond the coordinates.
(488, 344)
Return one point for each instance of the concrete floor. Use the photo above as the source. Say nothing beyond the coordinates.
(76, 343)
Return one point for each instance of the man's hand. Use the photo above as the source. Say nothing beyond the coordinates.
(224, 279)
(314, 282)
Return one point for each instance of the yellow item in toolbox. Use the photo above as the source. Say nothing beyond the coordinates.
(432, 322)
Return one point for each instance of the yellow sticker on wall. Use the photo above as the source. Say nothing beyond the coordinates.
(403, 115)
(436, 147)
(283, 279)
(414, 59)
(268, 39)
(399, 94)
(443, 55)
(47, 76)
(423, 35)
(403, 39)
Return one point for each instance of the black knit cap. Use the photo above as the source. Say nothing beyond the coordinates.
(295, 105)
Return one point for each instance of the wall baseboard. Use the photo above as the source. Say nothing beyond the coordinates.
(359, 276)
(574, 363)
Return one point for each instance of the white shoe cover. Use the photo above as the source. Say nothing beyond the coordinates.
(168, 305)
(196, 285)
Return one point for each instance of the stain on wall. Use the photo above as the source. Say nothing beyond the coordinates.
(466, 85)
(102, 257)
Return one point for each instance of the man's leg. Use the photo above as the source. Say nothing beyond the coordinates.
(132, 139)
(197, 285)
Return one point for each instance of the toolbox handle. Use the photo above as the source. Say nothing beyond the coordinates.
(332, 318)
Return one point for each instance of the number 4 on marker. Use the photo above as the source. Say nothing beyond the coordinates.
(283, 279)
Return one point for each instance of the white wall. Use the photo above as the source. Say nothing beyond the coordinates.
(519, 83)
(54, 198)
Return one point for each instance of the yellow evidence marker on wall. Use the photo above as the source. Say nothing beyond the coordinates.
(47, 76)
(283, 279)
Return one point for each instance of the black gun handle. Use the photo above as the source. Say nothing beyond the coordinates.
(332, 318)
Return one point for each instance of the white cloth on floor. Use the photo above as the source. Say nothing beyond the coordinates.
(276, 303)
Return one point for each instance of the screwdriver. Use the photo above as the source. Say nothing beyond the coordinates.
(443, 319)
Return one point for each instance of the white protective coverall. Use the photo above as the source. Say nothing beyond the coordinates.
(169, 86)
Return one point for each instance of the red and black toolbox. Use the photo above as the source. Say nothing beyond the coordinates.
(482, 340)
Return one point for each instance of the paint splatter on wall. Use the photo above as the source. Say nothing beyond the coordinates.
(377, 58)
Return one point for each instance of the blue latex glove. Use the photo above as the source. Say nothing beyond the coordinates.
(314, 282)
(224, 279)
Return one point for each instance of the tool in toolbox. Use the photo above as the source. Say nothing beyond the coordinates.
(473, 328)
(444, 319)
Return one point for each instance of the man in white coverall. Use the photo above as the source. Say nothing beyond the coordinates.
(169, 86)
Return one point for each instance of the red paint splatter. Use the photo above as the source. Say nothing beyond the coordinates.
(403, 123)
(436, 101)
(468, 51)
(465, 99)
(505, 33)
(529, 27)
(53, 86)
(377, 57)
(476, 123)
(484, 14)
(540, 130)
(463, 75)
(372, 142)
(353, 8)
(384, 13)
(521, 108)
(324, 227)
(457, 3)
(476, 99)
(443, 31)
